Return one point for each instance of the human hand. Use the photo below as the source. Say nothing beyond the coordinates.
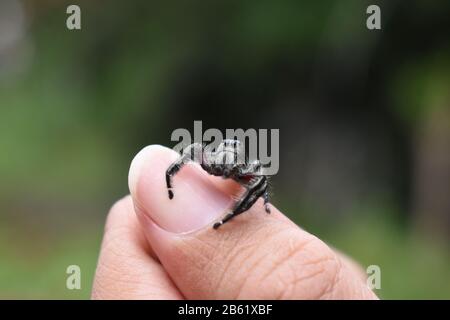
(157, 248)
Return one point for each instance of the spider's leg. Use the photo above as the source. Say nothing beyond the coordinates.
(254, 191)
(259, 190)
(266, 201)
(171, 171)
(192, 152)
(255, 167)
(225, 219)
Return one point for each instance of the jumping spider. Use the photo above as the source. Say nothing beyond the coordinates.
(223, 162)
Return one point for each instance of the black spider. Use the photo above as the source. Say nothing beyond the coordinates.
(227, 161)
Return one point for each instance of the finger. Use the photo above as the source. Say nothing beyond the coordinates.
(352, 265)
(126, 269)
(254, 256)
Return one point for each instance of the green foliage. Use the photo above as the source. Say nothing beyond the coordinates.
(421, 87)
(70, 122)
(36, 269)
(411, 267)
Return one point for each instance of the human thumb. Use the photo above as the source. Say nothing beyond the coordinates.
(254, 256)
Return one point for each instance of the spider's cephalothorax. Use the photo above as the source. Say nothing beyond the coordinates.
(228, 161)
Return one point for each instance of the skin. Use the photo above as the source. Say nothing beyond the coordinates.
(157, 248)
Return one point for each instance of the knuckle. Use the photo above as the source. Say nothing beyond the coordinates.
(117, 212)
(302, 269)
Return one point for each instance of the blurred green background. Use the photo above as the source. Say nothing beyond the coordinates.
(364, 119)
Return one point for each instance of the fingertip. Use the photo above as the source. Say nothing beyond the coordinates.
(150, 153)
(198, 202)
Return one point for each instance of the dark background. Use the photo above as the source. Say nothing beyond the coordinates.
(364, 119)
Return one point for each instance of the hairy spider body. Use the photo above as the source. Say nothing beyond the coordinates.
(229, 162)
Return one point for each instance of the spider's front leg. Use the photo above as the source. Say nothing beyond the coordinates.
(256, 189)
(192, 152)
